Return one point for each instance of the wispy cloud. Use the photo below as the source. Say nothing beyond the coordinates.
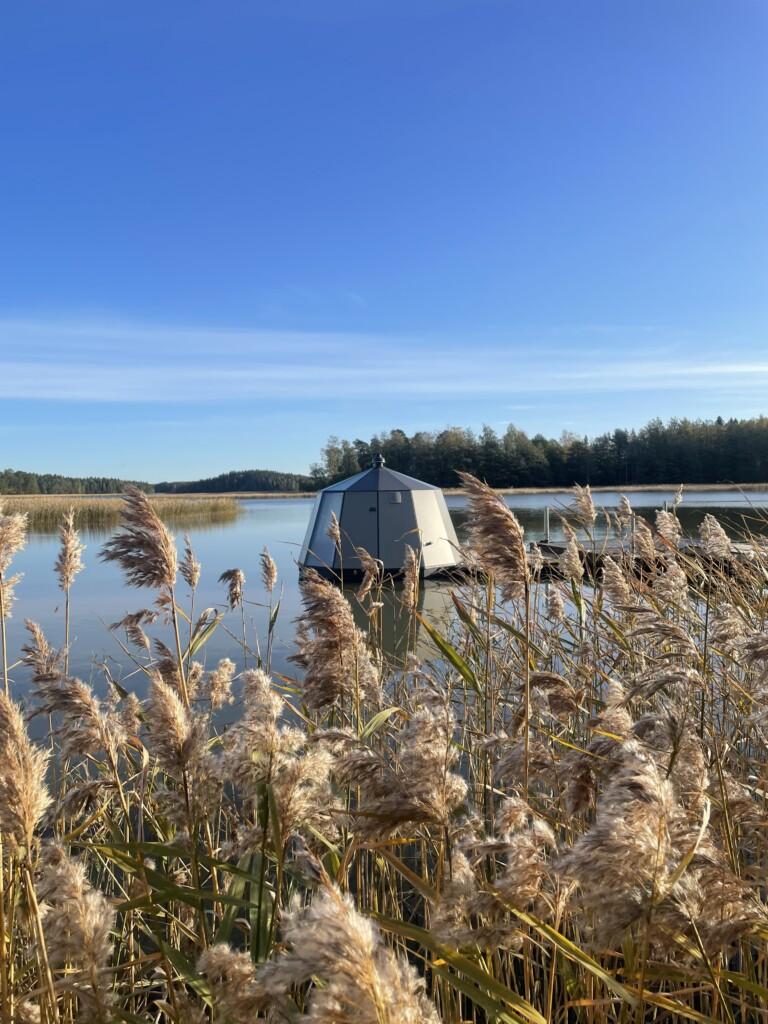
(92, 361)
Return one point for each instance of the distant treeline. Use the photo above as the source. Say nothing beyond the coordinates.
(15, 481)
(241, 480)
(680, 451)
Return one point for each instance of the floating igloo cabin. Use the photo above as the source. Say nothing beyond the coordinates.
(382, 511)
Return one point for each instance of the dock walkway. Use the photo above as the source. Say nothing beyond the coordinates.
(551, 553)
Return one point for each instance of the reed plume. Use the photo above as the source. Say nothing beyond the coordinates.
(13, 537)
(174, 740)
(231, 974)
(555, 603)
(416, 786)
(583, 508)
(643, 541)
(131, 715)
(8, 586)
(268, 571)
(535, 561)
(24, 796)
(143, 548)
(662, 631)
(530, 844)
(78, 924)
(570, 563)
(669, 678)
(253, 745)
(671, 586)
(219, 684)
(69, 562)
(373, 570)
(235, 581)
(582, 768)
(177, 739)
(622, 862)
(360, 980)
(714, 538)
(334, 531)
(668, 527)
(133, 624)
(493, 876)
(332, 650)
(728, 626)
(261, 751)
(411, 572)
(189, 567)
(624, 513)
(556, 692)
(86, 725)
(754, 648)
(497, 537)
(44, 660)
(615, 583)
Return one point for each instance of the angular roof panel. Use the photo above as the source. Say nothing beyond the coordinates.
(379, 478)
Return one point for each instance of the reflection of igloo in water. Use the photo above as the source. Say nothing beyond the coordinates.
(382, 511)
(395, 630)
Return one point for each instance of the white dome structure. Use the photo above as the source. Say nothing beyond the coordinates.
(382, 511)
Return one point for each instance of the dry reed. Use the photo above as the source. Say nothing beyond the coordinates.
(559, 816)
(497, 537)
(69, 561)
(268, 571)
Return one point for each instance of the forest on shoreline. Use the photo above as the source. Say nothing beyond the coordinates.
(680, 451)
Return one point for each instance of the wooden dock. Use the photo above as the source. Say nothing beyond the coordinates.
(593, 557)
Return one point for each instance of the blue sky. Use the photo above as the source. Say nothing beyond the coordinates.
(228, 230)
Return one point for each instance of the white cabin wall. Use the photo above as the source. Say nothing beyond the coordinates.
(436, 536)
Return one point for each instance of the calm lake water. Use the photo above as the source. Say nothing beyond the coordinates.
(100, 597)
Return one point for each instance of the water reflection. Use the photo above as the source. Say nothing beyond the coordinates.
(392, 624)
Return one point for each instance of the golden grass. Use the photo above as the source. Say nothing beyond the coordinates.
(560, 817)
(45, 511)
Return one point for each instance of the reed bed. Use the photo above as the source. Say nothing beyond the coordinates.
(561, 817)
(45, 512)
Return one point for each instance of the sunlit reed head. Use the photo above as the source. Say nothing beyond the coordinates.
(143, 548)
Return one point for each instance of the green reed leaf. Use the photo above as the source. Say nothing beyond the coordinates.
(471, 970)
(377, 721)
(452, 655)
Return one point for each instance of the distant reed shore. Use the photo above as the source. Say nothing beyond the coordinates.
(45, 511)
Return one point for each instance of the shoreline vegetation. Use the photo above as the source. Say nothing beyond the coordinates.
(45, 511)
(558, 817)
(193, 498)
(701, 452)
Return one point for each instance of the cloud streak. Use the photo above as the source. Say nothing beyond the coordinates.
(127, 363)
